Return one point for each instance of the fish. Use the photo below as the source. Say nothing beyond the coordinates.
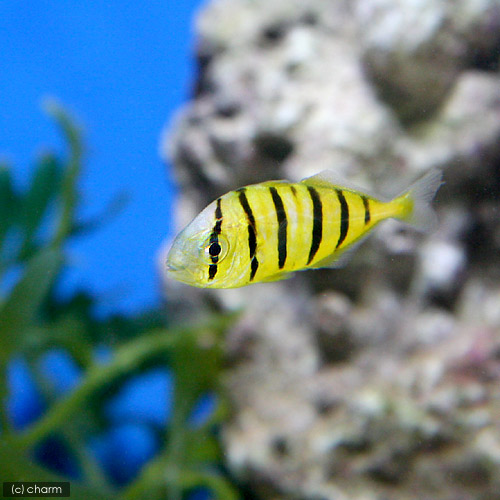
(265, 232)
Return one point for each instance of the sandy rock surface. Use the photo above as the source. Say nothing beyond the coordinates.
(380, 380)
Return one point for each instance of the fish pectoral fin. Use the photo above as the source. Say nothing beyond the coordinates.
(283, 275)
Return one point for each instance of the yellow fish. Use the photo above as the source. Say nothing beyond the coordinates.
(265, 231)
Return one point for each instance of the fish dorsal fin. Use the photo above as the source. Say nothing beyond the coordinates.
(272, 183)
(329, 178)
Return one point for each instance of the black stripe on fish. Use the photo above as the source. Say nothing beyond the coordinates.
(366, 204)
(344, 217)
(212, 271)
(282, 226)
(252, 232)
(254, 265)
(317, 229)
(214, 249)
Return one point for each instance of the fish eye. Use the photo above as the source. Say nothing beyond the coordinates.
(215, 248)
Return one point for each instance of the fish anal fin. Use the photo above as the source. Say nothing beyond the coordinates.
(340, 258)
(333, 261)
(283, 275)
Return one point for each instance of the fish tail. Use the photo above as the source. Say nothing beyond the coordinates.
(415, 202)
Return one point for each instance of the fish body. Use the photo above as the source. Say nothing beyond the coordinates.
(265, 232)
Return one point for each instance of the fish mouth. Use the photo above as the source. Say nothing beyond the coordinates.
(175, 262)
(181, 273)
(178, 269)
(173, 267)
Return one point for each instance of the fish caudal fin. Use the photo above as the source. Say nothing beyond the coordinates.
(415, 202)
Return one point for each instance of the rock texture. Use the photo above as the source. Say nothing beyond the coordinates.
(380, 380)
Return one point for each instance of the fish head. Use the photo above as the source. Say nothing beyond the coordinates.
(203, 253)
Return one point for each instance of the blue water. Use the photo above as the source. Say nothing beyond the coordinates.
(123, 68)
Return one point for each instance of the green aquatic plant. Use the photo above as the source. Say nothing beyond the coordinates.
(35, 225)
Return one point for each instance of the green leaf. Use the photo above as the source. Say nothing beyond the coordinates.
(8, 201)
(44, 188)
(19, 309)
(201, 447)
(126, 359)
(16, 466)
(69, 194)
(114, 208)
(219, 485)
(72, 133)
(196, 363)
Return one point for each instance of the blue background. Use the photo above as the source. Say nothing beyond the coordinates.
(122, 68)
